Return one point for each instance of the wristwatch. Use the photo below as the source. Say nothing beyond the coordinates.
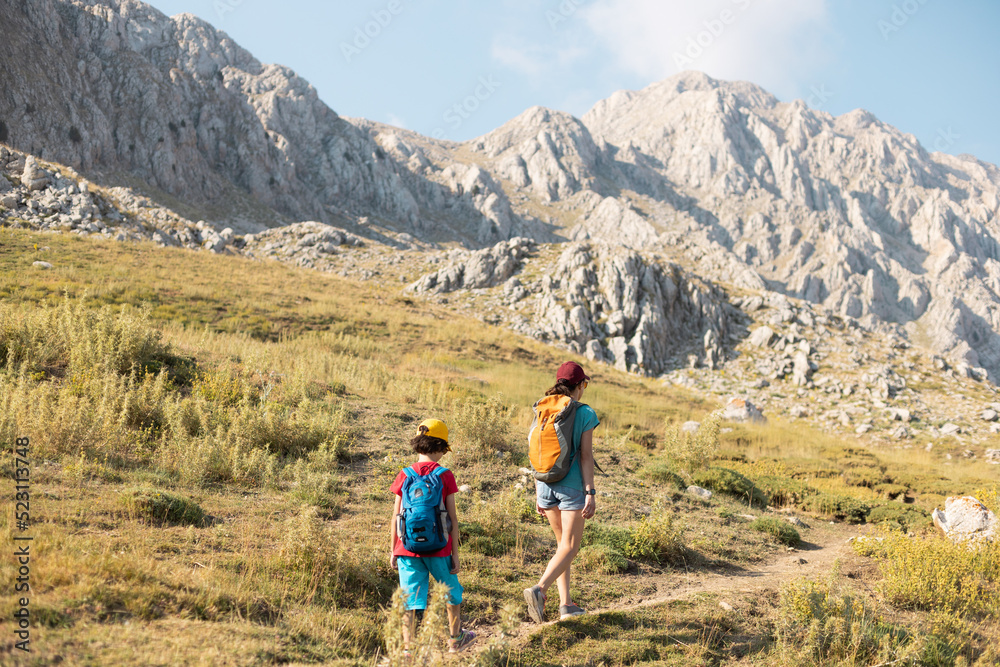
(592, 492)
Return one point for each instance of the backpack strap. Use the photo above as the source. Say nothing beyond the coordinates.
(437, 472)
(409, 471)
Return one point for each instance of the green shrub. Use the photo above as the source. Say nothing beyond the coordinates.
(890, 491)
(777, 528)
(820, 627)
(596, 533)
(935, 574)
(219, 459)
(840, 507)
(783, 491)
(160, 507)
(79, 339)
(321, 489)
(904, 517)
(657, 538)
(730, 482)
(690, 452)
(602, 559)
(867, 476)
(663, 473)
(318, 565)
(495, 527)
(482, 428)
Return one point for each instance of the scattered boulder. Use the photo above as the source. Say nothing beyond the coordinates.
(951, 429)
(33, 176)
(761, 336)
(465, 488)
(742, 410)
(41, 265)
(992, 456)
(801, 368)
(989, 415)
(700, 492)
(965, 519)
(900, 415)
(483, 268)
(798, 411)
(900, 433)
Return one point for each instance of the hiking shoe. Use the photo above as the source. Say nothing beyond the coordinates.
(458, 643)
(536, 603)
(569, 611)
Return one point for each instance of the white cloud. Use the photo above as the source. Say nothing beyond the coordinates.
(775, 43)
(535, 59)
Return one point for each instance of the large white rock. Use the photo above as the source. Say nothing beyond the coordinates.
(33, 176)
(965, 519)
(742, 410)
(951, 429)
(761, 336)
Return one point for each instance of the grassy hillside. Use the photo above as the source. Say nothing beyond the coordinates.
(212, 441)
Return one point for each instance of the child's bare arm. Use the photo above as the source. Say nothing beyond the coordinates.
(455, 536)
(392, 526)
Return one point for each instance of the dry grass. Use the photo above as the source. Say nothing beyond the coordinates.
(279, 402)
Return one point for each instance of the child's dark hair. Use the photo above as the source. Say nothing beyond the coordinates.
(563, 387)
(428, 444)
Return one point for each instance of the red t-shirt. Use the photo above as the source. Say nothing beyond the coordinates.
(450, 487)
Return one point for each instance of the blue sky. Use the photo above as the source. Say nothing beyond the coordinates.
(929, 67)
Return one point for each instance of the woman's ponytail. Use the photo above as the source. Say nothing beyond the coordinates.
(562, 387)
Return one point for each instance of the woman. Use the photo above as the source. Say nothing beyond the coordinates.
(568, 502)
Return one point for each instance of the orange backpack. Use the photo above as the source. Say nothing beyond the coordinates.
(550, 440)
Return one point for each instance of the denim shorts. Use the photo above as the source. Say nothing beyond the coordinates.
(567, 498)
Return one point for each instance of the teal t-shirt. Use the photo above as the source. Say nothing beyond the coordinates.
(586, 419)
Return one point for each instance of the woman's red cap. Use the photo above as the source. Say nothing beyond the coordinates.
(572, 372)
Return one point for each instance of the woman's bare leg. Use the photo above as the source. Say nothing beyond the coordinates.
(568, 528)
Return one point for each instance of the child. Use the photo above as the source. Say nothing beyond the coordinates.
(430, 444)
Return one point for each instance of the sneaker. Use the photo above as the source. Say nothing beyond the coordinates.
(569, 611)
(536, 603)
(458, 643)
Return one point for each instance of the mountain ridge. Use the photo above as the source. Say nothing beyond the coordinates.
(845, 212)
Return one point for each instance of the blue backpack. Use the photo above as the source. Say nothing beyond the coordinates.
(423, 524)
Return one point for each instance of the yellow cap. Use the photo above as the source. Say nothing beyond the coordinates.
(435, 429)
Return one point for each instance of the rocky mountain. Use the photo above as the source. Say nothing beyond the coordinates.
(677, 201)
(846, 212)
(127, 95)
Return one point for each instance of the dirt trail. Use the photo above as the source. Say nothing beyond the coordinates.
(813, 558)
